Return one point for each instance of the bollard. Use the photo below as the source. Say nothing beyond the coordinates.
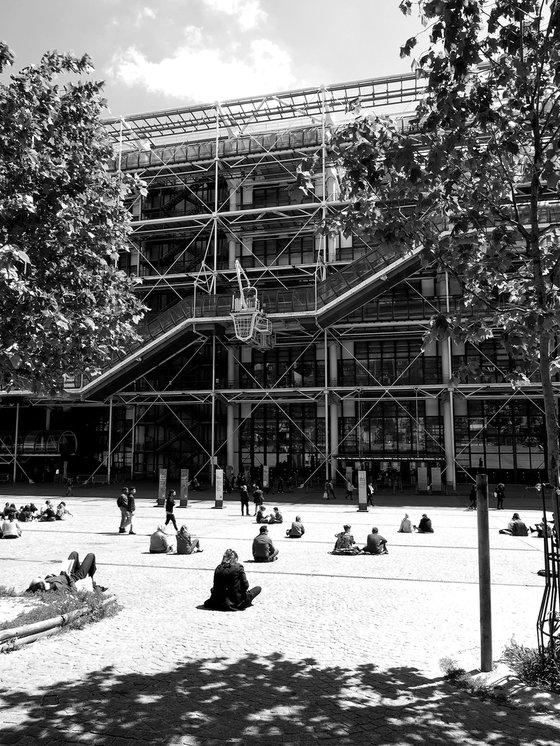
(484, 585)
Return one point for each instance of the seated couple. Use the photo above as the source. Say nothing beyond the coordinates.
(263, 517)
(230, 591)
(66, 581)
(160, 542)
(345, 544)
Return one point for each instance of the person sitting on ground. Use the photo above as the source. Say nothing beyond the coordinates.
(276, 517)
(62, 512)
(159, 541)
(406, 525)
(66, 581)
(515, 527)
(375, 543)
(6, 511)
(263, 548)
(542, 529)
(48, 513)
(25, 514)
(33, 510)
(230, 590)
(296, 531)
(345, 543)
(10, 527)
(262, 515)
(425, 525)
(186, 543)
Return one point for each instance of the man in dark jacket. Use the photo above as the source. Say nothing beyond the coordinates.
(122, 504)
(263, 548)
(131, 506)
(375, 543)
(230, 591)
(425, 525)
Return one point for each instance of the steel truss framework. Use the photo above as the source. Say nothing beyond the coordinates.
(232, 149)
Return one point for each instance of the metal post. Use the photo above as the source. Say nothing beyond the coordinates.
(16, 436)
(213, 424)
(133, 444)
(484, 573)
(327, 412)
(110, 440)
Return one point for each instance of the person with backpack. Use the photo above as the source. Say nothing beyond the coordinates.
(122, 504)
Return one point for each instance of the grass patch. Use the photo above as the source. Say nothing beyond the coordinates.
(533, 667)
(458, 676)
(54, 604)
(7, 592)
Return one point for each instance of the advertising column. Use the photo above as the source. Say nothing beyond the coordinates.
(184, 489)
(162, 486)
(219, 503)
(362, 491)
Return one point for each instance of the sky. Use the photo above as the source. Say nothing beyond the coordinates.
(161, 54)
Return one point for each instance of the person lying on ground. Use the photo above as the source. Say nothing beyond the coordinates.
(375, 543)
(296, 531)
(276, 516)
(263, 548)
(425, 525)
(10, 527)
(345, 543)
(230, 590)
(186, 543)
(159, 541)
(66, 581)
(515, 527)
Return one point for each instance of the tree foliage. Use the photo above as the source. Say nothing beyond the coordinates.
(474, 177)
(64, 306)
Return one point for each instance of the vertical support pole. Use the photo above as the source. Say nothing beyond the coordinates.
(333, 408)
(110, 441)
(133, 444)
(327, 413)
(484, 573)
(213, 423)
(16, 436)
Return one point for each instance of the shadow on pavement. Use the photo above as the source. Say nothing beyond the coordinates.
(264, 700)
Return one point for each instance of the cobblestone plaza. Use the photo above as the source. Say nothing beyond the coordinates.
(341, 650)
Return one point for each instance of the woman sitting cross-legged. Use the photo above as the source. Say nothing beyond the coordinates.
(186, 543)
(230, 591)
(345, 543)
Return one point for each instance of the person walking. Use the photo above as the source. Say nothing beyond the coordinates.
(499, 494)
(349, 490)
(122, 504)
(169, 508)
(131, 507)
(258, 497)
(370, 493)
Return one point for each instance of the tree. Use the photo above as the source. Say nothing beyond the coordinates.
(475, 180)
(65, 308)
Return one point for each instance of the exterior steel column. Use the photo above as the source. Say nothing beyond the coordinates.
(333, 407)
(133, 444)
(109, 440)
(16, 436)
(448, 424)
(230, 444)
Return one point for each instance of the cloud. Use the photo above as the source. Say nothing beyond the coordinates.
(249, 13)
(201, 73)
(145, 13)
